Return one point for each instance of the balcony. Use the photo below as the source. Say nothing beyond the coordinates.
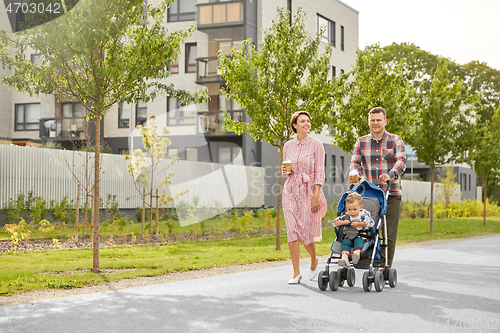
(208, 123)
(207, 70)
(60, 129)
(220, 14)
(212, 122)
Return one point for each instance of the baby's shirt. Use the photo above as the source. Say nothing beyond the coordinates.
(364, 216)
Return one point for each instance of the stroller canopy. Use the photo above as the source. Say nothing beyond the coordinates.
(365, 189)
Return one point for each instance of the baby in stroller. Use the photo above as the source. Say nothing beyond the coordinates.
(355, 220)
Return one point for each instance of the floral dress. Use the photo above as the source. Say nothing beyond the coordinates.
(308, 159)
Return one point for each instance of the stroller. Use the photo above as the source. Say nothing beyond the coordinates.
(374, 251)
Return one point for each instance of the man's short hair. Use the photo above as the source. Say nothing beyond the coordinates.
(354, 197)
(293, 120)
(378, 109)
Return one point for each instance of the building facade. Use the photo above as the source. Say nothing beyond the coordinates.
(196, 130)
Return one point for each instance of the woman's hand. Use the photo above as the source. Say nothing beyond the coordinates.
(283, 171)
(315, 203)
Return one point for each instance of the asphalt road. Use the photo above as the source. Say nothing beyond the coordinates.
(448, 287)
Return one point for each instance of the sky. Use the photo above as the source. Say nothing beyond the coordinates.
(461, 30)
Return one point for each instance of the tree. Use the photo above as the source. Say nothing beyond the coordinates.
(373, 83)
(418, 65)
(485, 80)
(485, 155)
(99, 53)
(287, 74)
(446, 128)
(144, 167)
(447, 178)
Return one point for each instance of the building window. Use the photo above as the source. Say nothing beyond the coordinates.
(329, 29)
(334, 169)
(334, 71)
(73, 110)
(141, 112)
(35, 59)
(172, 152)
(190, 58)
(192, 154)
(227, 12)
(342, 178)
(177, 116)
(463, 182)
(342, 37)
(182, 10)
(470, 185)
(27, 117)
(124, 115)
(174, 67)
(289, 8)
(230, 155)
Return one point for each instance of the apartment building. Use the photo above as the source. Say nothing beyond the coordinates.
(196, 130)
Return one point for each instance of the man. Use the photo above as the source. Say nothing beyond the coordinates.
(380, 158)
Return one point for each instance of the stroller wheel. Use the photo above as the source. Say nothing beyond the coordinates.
(351, 277)
(334, 281)
(322, 281)
(342, 277)
(379, 281)
(367, 285)
(393, 277)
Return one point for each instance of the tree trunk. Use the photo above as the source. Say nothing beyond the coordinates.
(485, 183)
(143, 209)
(150, 210)
(157, 214)
(77, 213)
(431, 213)
(85, 216)
(95, 267)
(278, 212)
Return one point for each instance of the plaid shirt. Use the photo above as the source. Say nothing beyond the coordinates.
(371, 158)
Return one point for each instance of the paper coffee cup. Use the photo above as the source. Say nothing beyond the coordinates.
(354, 176)
(288, 166)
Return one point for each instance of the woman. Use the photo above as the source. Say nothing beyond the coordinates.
(304, 203)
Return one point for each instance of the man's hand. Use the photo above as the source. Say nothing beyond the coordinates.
(384, 178)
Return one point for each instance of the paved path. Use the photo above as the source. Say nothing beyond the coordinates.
(450, 287)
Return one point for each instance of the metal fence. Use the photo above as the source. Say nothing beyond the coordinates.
(52, 174)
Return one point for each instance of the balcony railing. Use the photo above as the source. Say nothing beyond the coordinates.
(207, 70)
(62, 128)
(220, 14)
(212, 122)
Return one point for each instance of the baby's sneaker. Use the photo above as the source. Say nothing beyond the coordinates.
(355, 256)
(343, 261)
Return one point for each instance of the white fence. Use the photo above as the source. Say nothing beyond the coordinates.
(51, 174)
(418, 191)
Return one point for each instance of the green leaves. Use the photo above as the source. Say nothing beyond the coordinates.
(446, 128)
(289, 73)
(372, 83)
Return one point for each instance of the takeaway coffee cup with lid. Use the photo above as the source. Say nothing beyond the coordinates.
(288, 166)
(354, 176)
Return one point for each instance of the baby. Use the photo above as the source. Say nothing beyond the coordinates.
(360, 219)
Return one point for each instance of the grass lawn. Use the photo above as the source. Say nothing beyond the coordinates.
(34, 270)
